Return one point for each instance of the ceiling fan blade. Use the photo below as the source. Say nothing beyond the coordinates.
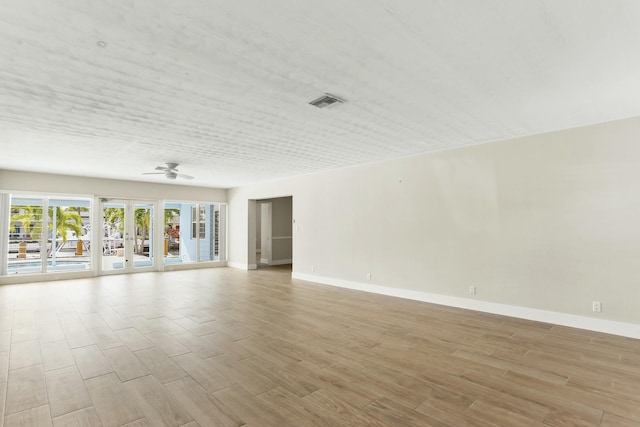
(153, 173)
(181, 175)
(161, 168)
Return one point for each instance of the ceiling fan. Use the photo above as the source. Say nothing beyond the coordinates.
(170, 171)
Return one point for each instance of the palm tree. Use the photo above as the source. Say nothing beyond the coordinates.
(29, 217)
(114, 218)
(142, 218)
(67, 219)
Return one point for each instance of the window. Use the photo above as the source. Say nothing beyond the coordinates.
(48, 234)
(205, 239)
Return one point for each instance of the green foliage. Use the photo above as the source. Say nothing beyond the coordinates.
(114, 217)
(30, 217)
(67, 219)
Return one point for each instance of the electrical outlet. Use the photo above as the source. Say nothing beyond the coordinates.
(472, 290)
(368, 276)
(596, 306)
(313, 268)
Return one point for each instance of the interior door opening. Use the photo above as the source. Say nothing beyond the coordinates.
(274, 232)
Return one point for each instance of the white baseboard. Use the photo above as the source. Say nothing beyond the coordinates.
(193, 265)
(630, 330)
(281, 261)
(275, 261)
(242, 266)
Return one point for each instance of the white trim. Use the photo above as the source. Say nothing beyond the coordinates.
(281, 261)
(14, 279)
(242, 266)
(193, 265)
(630, 330)
(5, 221)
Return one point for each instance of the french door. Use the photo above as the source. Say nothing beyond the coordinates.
(128, 237)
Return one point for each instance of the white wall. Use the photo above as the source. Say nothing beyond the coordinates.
(281, 217)
(548, 223)
(48, 183)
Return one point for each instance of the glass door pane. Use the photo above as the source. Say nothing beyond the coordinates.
(172, 222)
(143, 236)
(113, 250)
(69, 223)
(25, 236)
(128, 236)
(205, 233)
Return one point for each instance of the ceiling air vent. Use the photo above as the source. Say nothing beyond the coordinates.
(326, 100)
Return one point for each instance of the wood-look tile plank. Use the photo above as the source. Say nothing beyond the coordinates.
(3, 395)
(611, 420)
(249, 408)
(394, 414)
(194, 327)
(278, 357)
(547, 394)
(6, 319)
(295, 408)
(160, 365)
(133, 339)
(87, 417)
(93, 321)
(334, 383)
(34, 417)
(198, 345)
(78, 336)
(561, 418)
(105, 338)
(289, 380)
(4, 366)
(114, 320)
(196, 401)
(48, 327)
(226, 345)
(323, 402)
(24, 327)
(5, 340)
(168, 344)
(156, 324)
(66, 390)
(143, 422)
(210, 376)
(24, 354)
(160, 408)
(91, 361)
(114, 404)
(493, 411)
(25, 389)
(56, 355)
(125, 364)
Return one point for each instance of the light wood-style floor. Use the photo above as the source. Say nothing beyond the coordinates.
(224, 347)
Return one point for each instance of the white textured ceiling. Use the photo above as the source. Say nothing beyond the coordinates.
(222, 87)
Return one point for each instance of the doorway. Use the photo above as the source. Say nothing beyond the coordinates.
(127, 240)
(274, 232)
